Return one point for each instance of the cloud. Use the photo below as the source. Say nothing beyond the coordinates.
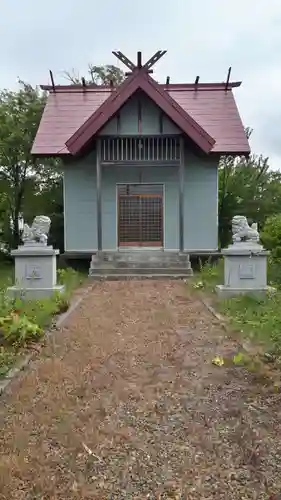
(202, 38)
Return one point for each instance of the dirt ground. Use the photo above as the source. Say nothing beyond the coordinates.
(125, 403)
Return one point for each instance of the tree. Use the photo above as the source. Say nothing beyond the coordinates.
(100, 75)
(21, 176)
(247, 187)
(271, 235)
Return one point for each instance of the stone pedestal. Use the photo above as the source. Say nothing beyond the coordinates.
(245, 270)
(35, 272)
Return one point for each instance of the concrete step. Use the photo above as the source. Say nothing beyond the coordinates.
(133, 264)
(140, 271)
(137, 257)
(120, 254)
(120, 277)
(120, 265)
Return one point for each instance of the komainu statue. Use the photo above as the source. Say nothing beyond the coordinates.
(38, 232)
(241, 231)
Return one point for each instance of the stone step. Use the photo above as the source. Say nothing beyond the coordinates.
(120, 265)
(131, 276)
(171, 271)
(141, 256)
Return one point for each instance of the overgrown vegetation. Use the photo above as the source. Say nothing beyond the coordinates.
(23, 322)
(247, 187)
(256, 321)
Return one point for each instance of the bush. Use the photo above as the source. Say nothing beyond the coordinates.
(23, 322)
(271, 235)
(18, 330)
(70, 278)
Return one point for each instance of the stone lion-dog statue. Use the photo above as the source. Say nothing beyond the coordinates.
(241, 231)
(38, 232)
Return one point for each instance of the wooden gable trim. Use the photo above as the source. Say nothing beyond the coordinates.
(162, 99)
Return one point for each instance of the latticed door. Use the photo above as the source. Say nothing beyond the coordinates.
(140, 215)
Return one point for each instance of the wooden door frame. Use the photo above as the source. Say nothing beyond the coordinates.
(137, 245)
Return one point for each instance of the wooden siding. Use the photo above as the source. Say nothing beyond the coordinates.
(126, 123)
(200, 204)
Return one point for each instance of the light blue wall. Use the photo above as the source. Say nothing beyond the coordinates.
(80, 226)
(200, 206)
(128, 119)
(200, 203)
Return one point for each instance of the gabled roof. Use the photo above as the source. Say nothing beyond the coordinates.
(207, 111)
(139, 80)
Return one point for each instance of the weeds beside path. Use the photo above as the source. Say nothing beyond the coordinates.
(257, 321)
(22, 323)
(125, 403)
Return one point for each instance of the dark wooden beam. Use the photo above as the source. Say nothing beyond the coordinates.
(98, 188)
(139, 116)
(139, 64)
(228, 78)
(181, 196)
(52, 81)
(118, 123)
(128, 73)
(124, 60)
(154, 59)
(161, 122)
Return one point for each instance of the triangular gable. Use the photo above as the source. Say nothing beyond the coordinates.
(139, 116)
(113, 103)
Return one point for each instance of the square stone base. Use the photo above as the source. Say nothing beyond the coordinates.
(226, 292)
(33, 293)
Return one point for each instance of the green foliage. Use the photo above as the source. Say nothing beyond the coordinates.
(209, 275)
(8, 357)
(271, 235)
(240, 359)
(21, 176)
(246, 187)
(22, 322)
(103, 75)
(258, 320)
(17, 330)
(100, 75)
(274, 272)
(6, 275)
(70, 278)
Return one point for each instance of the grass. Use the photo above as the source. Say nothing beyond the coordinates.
(23, 322)
(257, 320)
(6, 274)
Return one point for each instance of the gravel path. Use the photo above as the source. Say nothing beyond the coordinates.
(124, 403)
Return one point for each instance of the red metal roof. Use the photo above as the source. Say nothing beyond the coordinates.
(207, 113)
(136, 81)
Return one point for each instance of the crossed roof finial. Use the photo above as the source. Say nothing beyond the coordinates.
(139, 66)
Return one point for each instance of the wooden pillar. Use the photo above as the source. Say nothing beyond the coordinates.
(98, 187)
(181, 196)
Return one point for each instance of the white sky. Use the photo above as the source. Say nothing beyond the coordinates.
(202, 38)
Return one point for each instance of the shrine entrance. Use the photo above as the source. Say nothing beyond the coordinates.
(140, 215)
